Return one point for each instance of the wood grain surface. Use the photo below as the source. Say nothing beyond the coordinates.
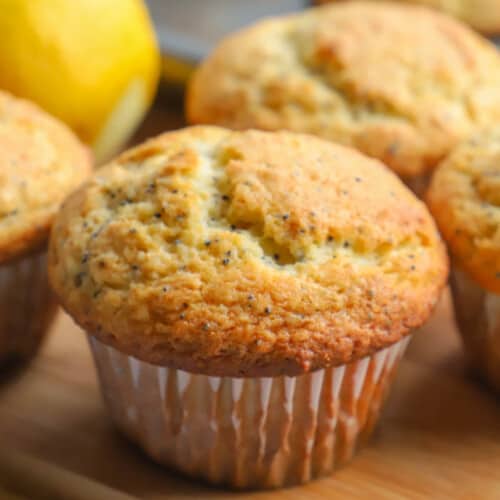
(439, 436)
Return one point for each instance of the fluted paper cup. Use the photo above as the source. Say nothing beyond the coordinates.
(27, 307)
(478, 316)
(246, 432)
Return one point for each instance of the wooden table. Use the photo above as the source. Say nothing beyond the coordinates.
(439, 436)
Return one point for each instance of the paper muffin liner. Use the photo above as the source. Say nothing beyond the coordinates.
(246, 432)
(27, 307)
(478, 317)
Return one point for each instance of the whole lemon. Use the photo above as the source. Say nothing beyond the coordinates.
(92, 63)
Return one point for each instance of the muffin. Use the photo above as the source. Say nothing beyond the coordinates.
(40, 163)
(401, 83)
(464, 197)
(482, 15)
(248, 296)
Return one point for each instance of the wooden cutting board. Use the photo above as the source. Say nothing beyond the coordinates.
(439, 436)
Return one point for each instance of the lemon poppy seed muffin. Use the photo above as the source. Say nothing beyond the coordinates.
(482, 15)
(401, 83)
(239, 253)
(41, 162)
(465, 199)
(234, 263)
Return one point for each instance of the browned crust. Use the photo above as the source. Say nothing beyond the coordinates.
(350, 73)
(482, 15)
(464, 197)
(41, 162)
(246, 254)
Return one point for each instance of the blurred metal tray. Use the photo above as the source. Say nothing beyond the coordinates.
(188, 29)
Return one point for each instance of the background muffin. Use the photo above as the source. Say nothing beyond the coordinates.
(483, 15)
(465, 198)
(400, 83)
(259, 284)
(40, 163)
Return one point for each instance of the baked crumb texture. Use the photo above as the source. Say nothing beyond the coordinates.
(482, 15)
(41, 162)
(401, 83)
(464, 197)
(246, 254)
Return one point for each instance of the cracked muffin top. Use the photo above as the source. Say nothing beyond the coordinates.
(246, 253)
(401, 83)
(483, 15)
(41, 162)
(464, 197)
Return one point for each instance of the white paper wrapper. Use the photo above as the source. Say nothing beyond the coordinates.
(27, 307)
(478, 316)
(246, 432)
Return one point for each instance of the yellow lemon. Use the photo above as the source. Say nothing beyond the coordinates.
(92, 63)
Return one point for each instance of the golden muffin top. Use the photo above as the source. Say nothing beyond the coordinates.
(246, 253)
(483, 15)
(401, 83)
(464, 197)
(41, 161)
